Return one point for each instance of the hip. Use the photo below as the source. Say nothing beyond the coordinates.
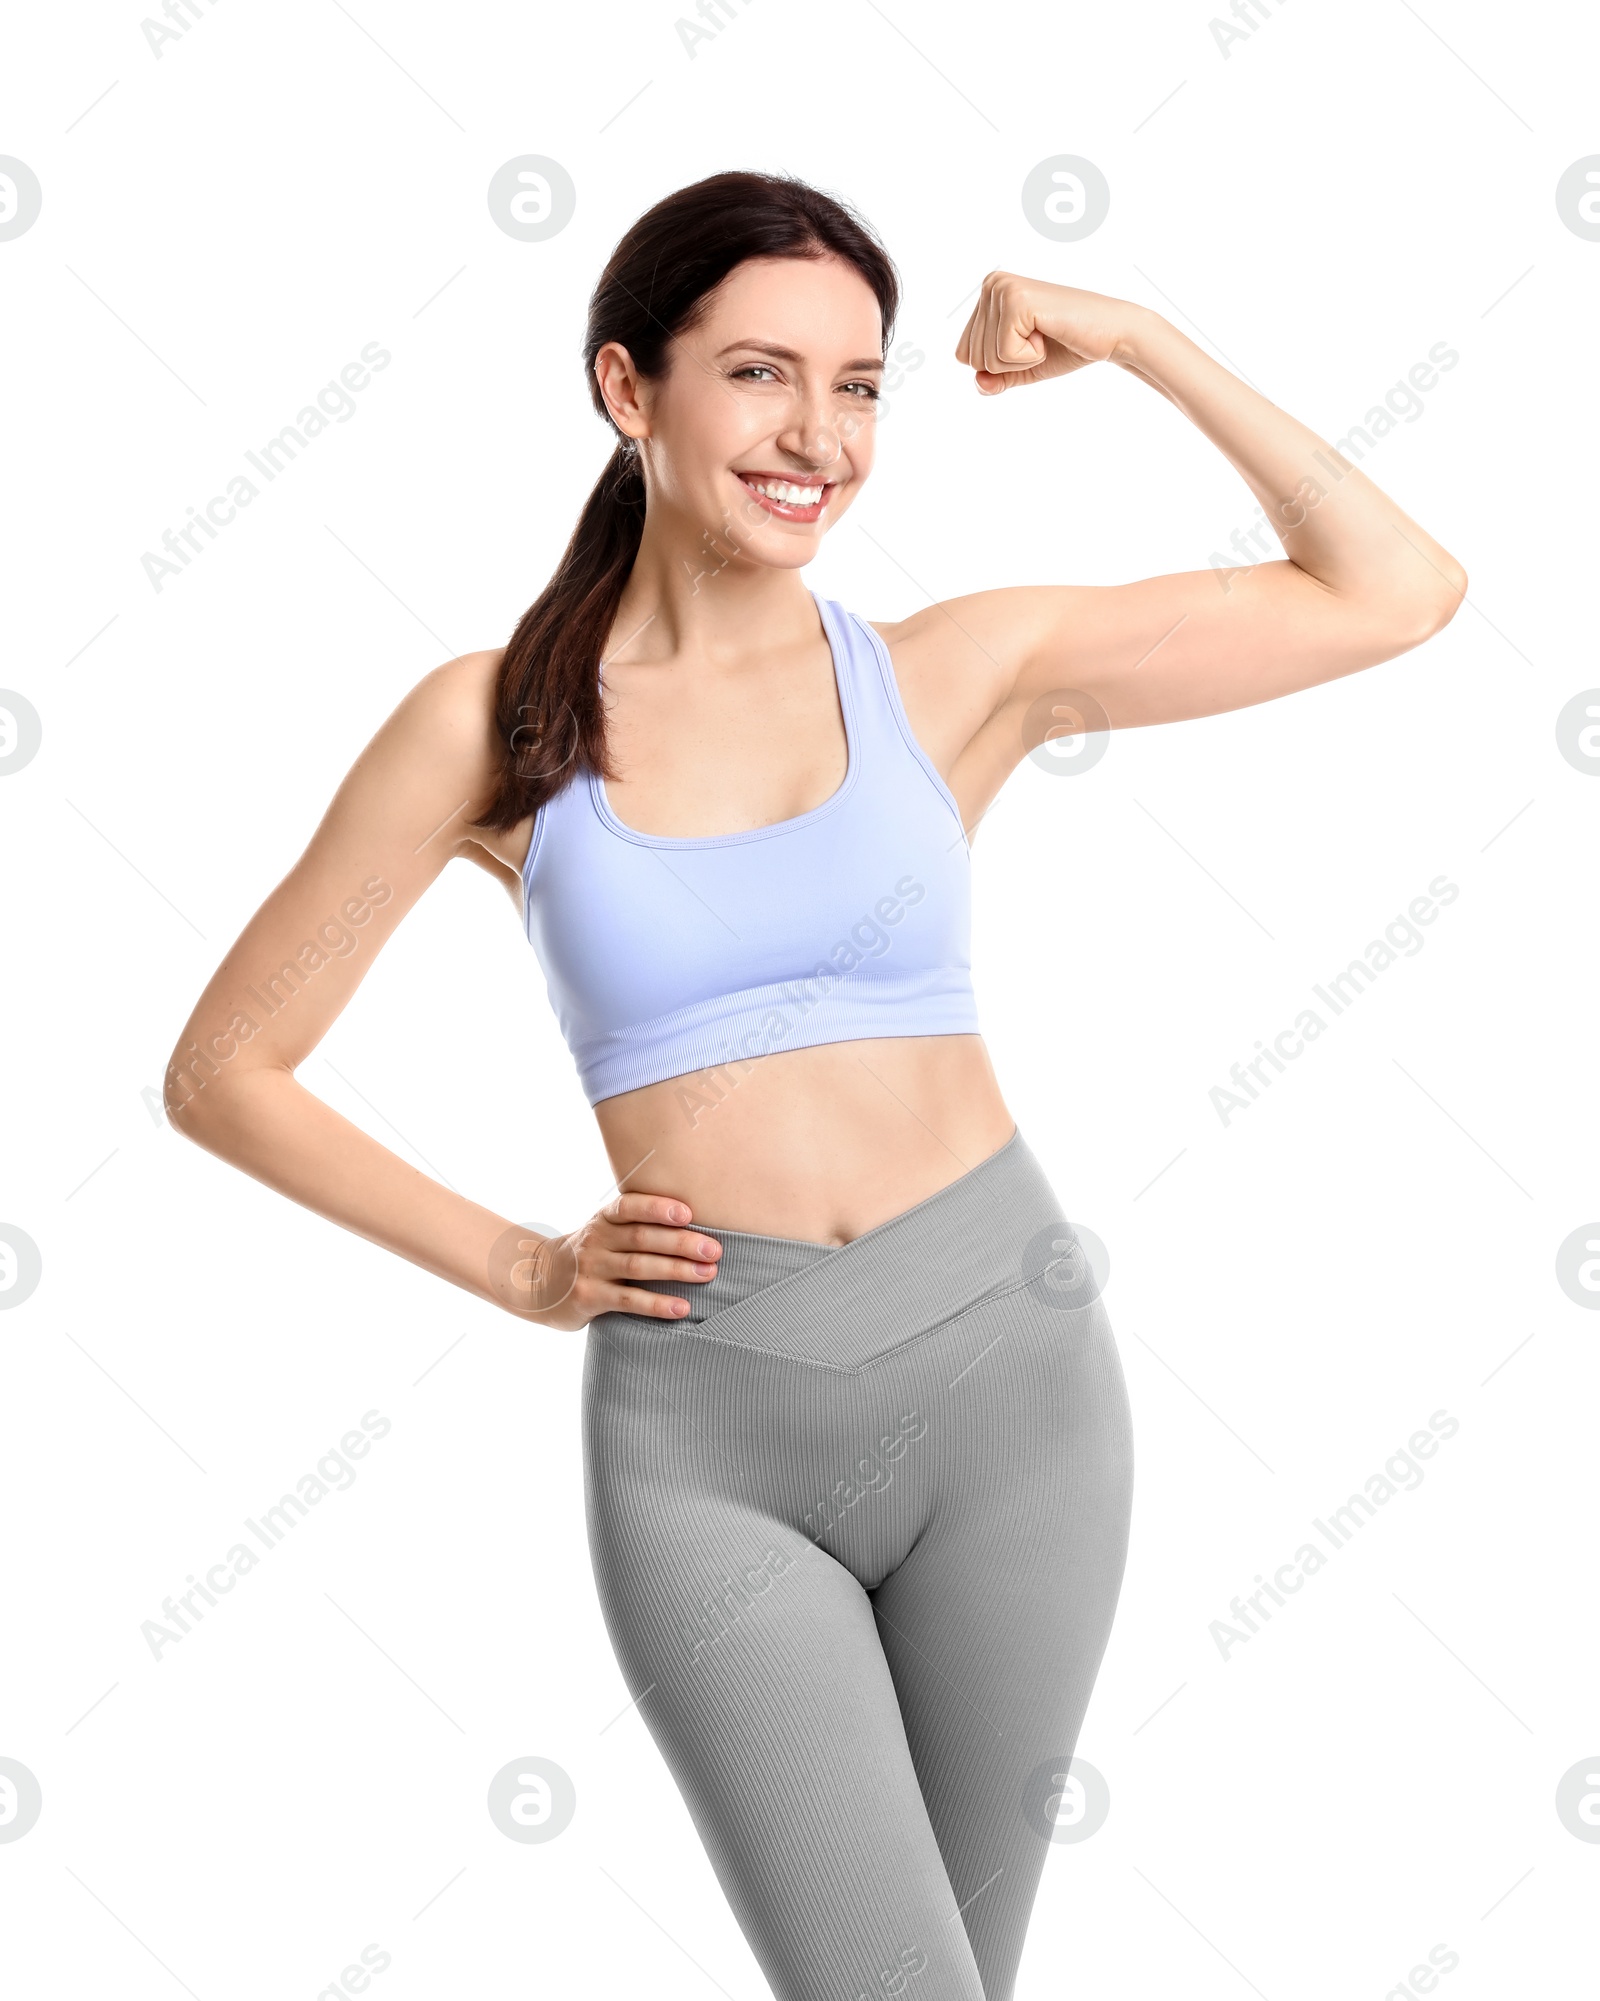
(965, 1331)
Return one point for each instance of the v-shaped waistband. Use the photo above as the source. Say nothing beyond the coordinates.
(995, 1228)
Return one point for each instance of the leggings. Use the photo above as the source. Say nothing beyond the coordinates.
(858, 1525)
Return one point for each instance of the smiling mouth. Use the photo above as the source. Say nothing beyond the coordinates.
(789, 499)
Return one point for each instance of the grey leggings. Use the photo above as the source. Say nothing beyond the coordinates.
(858, 1526)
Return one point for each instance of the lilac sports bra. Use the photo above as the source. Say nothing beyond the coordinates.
(667, 955)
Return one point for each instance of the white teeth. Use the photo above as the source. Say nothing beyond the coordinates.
(786, 491)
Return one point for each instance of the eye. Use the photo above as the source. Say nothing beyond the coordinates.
(751, 367)
(872, 392)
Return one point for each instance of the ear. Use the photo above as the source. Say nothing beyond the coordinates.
(624, 390)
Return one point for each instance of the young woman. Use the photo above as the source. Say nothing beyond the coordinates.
(857, 1455)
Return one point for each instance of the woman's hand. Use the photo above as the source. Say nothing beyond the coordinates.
(1023, 330)
(565, 1282)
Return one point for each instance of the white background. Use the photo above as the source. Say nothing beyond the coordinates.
(224, 227)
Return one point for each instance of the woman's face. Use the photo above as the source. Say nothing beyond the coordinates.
(761, 430)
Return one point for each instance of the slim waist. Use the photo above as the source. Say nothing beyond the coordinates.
(815, 1143)
(997, 1227)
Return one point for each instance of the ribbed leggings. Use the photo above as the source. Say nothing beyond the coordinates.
(858, 1526)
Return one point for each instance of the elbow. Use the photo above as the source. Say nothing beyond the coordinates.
(1433, 611)
(182, 1096)
(1456, 579)
(1447, 601)
(211, 1096)
(190, 1093)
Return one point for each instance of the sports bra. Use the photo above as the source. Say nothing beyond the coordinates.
(665, 955)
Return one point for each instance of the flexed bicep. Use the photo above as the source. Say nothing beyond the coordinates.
(1200, 642)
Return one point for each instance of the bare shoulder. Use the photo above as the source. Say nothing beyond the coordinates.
(957, 661)
(449, 719)
(433, 764)
(442, 730)
(983, 631)
(456, 700)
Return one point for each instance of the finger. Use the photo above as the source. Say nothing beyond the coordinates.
(986, 347)
(686, 1244)
(608, 1298)
(623, 1265)
(969, 348)
(964, 346)
(633, 1208)
(1002, 330)
(1005, 335)
(1015, 348)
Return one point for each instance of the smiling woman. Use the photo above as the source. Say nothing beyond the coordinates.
(735, 818)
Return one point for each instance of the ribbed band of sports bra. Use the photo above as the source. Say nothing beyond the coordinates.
(667, 955)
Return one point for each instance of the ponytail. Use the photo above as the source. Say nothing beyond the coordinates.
(547, 699)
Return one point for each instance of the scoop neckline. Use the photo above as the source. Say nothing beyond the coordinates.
(845, 691)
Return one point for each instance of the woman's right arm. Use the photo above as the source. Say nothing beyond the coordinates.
(402, 811)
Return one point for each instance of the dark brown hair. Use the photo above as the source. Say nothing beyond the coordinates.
(656, 285)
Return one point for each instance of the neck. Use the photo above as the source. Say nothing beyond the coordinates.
(692, 593)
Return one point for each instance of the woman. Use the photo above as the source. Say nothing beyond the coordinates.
(857, 1459)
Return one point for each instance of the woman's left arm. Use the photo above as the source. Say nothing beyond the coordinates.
(1360, 581)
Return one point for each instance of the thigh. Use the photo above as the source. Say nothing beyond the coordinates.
(995, 1624)
(755, 1662)
(761, 1677)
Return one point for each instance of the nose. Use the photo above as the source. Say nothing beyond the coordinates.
(813, 434)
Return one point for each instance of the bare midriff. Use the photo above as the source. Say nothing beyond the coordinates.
(822, 1144)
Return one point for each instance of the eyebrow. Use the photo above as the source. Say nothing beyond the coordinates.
(788, 353)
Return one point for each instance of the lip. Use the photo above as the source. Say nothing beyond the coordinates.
(780, 508)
